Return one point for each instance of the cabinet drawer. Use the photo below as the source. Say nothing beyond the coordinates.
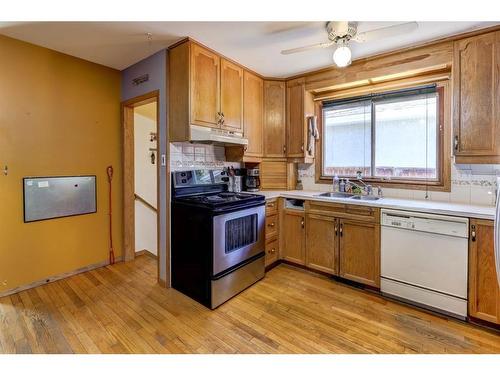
(272, 251)
(271, 225)
(325, 208)
(271, 207)
(340, 210)
(363, 213)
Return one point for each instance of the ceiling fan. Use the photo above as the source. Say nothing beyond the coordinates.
(341, 33)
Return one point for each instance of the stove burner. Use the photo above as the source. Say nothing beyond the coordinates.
(220, 198)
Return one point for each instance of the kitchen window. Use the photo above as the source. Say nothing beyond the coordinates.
(392, 137)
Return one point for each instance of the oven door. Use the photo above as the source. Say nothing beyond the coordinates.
(238, 236)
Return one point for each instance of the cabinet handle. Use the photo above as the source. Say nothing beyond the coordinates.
(270, 225)
(341, 230)
(302, 223)
(302, 147)
(284, 149)
(270, 204)
(336, 230)
(245, 148)
(456, 143)
(473, 233)
(273, 250)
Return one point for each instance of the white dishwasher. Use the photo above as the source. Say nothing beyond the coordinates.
(424, 260)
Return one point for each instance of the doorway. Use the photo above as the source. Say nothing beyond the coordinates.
(141, 176)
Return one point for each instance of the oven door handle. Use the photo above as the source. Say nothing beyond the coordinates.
(238, 266)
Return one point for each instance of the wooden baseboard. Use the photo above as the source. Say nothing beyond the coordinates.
(60, 276)
(145, 252)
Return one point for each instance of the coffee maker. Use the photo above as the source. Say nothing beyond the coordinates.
(252, 180)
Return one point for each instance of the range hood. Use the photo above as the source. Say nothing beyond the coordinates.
(201, 134)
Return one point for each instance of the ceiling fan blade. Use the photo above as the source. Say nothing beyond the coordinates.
(291, 27)
(306, 48)
(385, 32)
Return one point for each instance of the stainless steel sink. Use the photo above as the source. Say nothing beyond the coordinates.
(336, 194)
(365, 197)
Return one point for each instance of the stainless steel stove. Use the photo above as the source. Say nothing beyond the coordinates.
(217, 237)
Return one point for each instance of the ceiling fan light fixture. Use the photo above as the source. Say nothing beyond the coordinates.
(342, 56)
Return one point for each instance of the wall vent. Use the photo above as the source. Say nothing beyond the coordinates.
(141, 79)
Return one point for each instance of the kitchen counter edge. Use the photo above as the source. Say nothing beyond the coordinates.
(433, 207)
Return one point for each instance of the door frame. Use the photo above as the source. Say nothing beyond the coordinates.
(127, 111)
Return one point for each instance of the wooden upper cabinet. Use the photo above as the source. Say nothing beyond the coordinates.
(274, 119)
(360, 252)
(476, 85)
(299, 105)
(322, 251)
(484, 293)
(295, 120)
(253, 115)
(205, 87)
(293, 236)
(231, 79)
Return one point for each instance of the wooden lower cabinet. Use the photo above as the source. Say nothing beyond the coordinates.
(484, 293)
(272, 251)
(293, 236)
(359, 258)
(337, 239)
(271, 232)
(322, 246)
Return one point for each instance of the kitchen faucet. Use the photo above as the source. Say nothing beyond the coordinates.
(366, 187)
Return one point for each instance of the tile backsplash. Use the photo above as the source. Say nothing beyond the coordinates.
(470, 184)
(185, 156)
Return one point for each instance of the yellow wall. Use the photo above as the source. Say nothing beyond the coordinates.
(59, 115)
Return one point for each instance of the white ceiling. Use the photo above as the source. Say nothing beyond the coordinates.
(256, 45)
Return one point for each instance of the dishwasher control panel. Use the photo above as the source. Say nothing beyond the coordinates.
(439, 224)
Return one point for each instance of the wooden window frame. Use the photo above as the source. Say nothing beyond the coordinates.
(443, 182)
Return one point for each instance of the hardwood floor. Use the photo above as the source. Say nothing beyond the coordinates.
(121, 309)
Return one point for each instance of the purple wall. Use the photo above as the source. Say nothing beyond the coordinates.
(156, 66)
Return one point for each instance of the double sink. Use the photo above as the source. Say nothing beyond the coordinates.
(339, 194)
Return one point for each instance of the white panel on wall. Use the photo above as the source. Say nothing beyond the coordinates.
(145, 229)
(145, 178)
(144, 170)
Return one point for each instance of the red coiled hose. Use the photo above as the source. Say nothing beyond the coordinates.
(109, 171)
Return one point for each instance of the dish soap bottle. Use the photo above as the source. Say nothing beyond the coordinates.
(348, 187)
(342, 186)
(336, 183)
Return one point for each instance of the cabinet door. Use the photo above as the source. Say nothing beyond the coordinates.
(476, 92)
(484, 293)
(292, 232)
(271, 251)
(231, 79)
(253, 113)
(274, 119)
(205, 87)
(360, 252)
(295, 120)
(322, 243)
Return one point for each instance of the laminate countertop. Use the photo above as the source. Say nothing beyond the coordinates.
(433, 207)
